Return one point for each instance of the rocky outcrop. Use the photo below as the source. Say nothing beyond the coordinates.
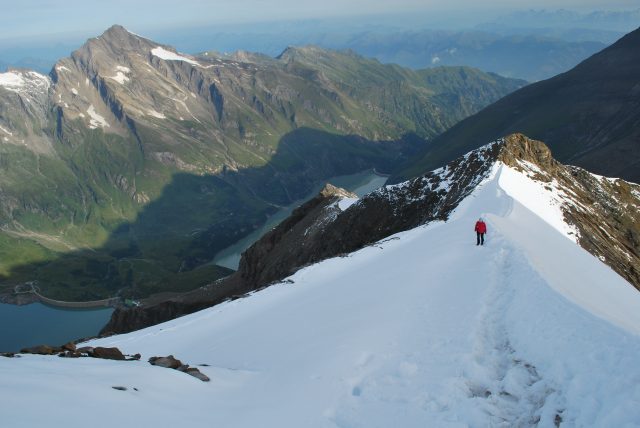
(170, 362)
(69, 350)
(129, 319)
(167, 362)
(42, 350)
(281, 251)
(107, 353)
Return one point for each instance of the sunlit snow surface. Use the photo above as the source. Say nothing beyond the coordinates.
(27, 81)
(96, 120)
(166, 55)
(423, 330)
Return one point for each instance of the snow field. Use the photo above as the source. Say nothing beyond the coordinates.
(422, 329)
(24, 81)
(96, 120)
(166, 55)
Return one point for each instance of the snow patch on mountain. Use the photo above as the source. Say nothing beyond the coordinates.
(166, 55)
(6, 131)
(11, 80)
(156, 114)
(28, 81)
(96, 120)
(120, 76)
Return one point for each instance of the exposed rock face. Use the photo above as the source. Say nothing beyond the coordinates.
(130, 319)
(281, 251)
(192, 371)
(69, 347)
(69, 350)
(170, 362)
(107, 353)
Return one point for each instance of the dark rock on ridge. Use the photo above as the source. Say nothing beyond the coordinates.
(41, 350)
(167, 362)
(107, 353)
(69, 350)
(170, 362)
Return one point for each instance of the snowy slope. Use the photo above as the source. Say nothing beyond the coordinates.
(423, 329)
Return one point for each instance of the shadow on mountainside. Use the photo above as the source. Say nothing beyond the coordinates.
(170, 244)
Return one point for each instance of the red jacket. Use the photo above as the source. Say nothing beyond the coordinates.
(481, 227)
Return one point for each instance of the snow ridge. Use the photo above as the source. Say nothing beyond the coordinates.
(509, 388)
(423, 328)
(29, 81)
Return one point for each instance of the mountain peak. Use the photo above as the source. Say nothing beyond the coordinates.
(118, 39)
(115, 42)
(117, 31)
(520, 147)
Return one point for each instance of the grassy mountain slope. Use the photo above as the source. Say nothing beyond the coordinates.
(132, 165)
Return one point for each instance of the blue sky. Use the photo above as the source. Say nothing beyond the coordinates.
(24, 18)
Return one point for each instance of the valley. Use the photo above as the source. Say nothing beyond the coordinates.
(131, 166)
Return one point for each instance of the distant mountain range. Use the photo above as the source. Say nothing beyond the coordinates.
(612, 20)
(589, 116)
(131, 165)
(528, 53)
(531, 55)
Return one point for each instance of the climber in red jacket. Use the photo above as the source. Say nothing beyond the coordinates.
(481, 229)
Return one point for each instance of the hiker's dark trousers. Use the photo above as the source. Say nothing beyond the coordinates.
(480, 238)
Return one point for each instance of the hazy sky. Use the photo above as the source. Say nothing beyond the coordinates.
(20, 18)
